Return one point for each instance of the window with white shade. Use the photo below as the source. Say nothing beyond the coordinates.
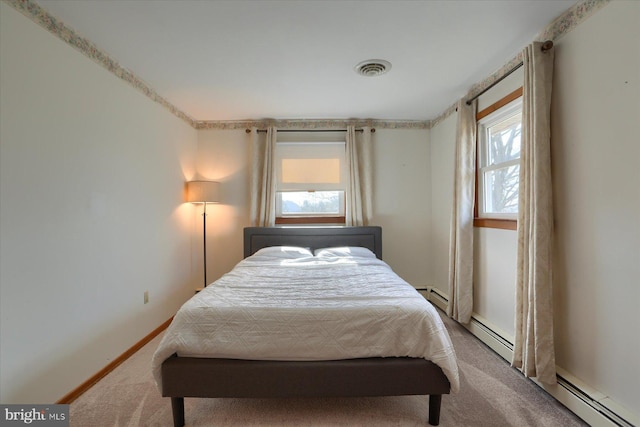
(310, 181)
(499, 136)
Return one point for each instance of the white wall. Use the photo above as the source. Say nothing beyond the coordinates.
(224, 156)
(494, 278)
(442, 150)
(91, 214)
(401, 196)
(402, 199)
(595, 152)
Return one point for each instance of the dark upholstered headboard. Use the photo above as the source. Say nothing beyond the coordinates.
(256, 238)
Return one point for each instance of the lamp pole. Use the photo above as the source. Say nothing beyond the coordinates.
(203, 192)
(204, 241)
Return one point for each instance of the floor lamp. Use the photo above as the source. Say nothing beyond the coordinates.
(203, 192)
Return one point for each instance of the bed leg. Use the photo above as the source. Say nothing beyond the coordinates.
(177, 406)
(434, 409)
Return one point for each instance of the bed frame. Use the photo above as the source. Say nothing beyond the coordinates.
(201, 377)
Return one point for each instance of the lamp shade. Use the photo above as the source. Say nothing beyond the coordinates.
(203, 191)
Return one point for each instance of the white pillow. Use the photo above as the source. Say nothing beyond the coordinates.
(287, 252)
(345, 251)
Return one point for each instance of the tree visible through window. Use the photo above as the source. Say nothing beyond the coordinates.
(499, 162)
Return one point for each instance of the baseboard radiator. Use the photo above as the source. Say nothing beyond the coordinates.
(568, 393)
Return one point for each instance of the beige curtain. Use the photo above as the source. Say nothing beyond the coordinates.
(461, 238)
(359, 163)
(534, 350)
(263, 180)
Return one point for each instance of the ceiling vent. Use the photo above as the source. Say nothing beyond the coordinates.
(373, 67)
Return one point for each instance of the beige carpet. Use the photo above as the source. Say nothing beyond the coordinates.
(492, 394)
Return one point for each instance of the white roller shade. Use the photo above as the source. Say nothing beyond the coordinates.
(304, 166)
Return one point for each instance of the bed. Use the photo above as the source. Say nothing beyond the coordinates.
(185, 366)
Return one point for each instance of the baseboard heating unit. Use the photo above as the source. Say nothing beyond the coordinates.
(587, 404)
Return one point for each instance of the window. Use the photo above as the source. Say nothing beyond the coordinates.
(310, 182)
(499, 137)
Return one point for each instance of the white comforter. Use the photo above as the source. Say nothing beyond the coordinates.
(309, 308)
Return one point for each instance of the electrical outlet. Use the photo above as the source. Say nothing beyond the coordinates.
(146, 297)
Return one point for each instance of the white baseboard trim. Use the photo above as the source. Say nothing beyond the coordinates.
(592, 406)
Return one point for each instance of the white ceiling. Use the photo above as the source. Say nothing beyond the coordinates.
(237, 60)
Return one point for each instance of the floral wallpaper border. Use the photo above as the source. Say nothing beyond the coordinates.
(558, 28)
(302, 124)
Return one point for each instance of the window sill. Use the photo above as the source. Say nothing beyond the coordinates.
(503, 224)
(311, 220)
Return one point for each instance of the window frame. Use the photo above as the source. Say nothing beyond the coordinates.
(313, 218)
(481, 221)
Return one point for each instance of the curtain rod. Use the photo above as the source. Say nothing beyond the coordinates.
(309, 130)
(545, 47)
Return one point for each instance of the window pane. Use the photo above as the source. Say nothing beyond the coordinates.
(504, 140)
(311, 203)
(501, 190)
